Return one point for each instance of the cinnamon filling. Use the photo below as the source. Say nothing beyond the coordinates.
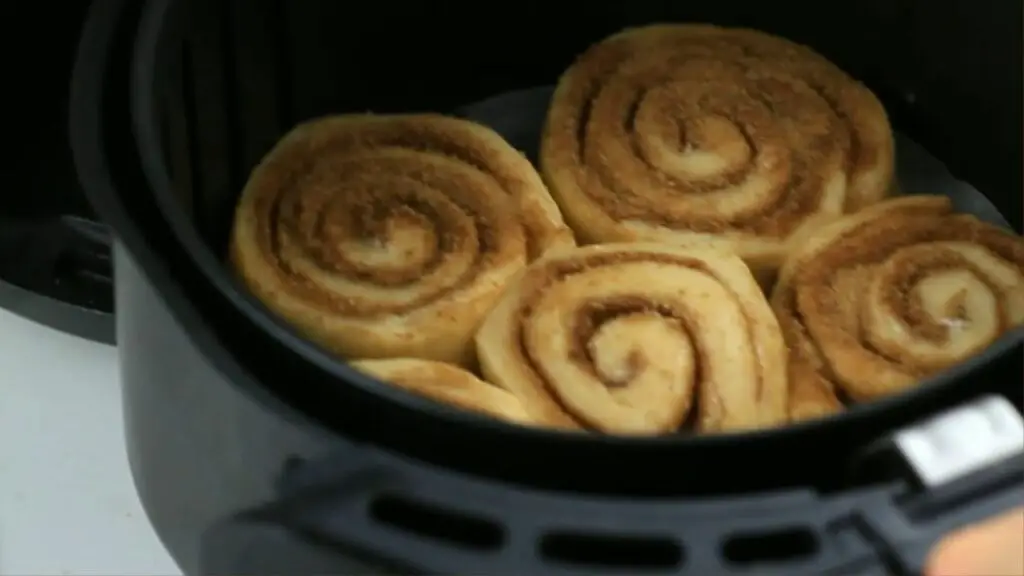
(592, 315)
(903, 294)
(347, 193)
(630, 92)
(589, 316)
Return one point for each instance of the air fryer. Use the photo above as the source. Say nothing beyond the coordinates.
(254, 451)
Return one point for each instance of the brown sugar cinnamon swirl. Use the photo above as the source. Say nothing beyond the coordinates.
(448, 384)
(696, 134)
(388, 236)
(879, 300)
(626, 338)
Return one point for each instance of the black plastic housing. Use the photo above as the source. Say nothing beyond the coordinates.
(54, 254)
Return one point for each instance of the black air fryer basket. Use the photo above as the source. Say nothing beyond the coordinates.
(254, 451)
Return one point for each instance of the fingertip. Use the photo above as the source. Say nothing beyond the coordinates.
(995, 547)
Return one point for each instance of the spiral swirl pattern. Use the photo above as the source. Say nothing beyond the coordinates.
(388, 236)
(694, 134)
(447, 384)
(622, 338)
(877, 301)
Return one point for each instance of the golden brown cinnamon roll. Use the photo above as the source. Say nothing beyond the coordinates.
(623, 338)
(446, 383)
(877, 301)
(695, 134)
(385, 236)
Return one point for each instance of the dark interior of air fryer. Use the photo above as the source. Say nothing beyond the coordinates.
(948, 74)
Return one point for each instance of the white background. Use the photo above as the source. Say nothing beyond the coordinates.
(67, 502)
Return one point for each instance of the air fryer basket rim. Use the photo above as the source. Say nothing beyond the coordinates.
(156, 16)
(91, 162)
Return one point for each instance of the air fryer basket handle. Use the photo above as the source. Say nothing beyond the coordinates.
(343, 515)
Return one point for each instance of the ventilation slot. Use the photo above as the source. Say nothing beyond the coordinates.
(437, 524)
(591, 550)
(771, 547)
(77, 265)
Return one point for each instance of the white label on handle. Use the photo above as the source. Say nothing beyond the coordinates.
(963, 440)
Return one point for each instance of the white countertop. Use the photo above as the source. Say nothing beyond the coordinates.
(67, 502)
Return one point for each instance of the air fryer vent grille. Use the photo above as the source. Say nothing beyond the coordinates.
(426, 521)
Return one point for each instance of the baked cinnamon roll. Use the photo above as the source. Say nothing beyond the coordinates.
(448, 384)
(626, 338)
(873, 303)
(391, 236)
(694, 134)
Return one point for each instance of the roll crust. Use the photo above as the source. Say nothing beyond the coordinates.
(448, 384)
(625, 338)
(391, 236)
(695, 134)
(873, 303)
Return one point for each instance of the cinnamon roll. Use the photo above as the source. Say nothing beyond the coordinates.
(879, 300)
(626, 338)
(448, 384)
(387, 236)
(694, 134)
